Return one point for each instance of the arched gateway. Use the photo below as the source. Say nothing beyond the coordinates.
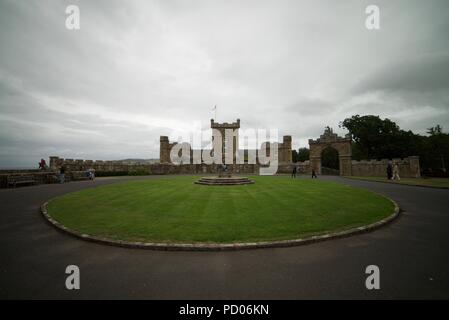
(332, 140)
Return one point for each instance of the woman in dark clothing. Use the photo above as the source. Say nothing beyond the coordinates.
(389, 171)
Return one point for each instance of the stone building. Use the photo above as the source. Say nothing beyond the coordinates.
(408, 167)
(221, 133)
(331, 140)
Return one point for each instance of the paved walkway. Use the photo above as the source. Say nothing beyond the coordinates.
(412, 253)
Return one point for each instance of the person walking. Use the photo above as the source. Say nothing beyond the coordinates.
(314, 174)
(389, 170)
(62, 174)
(92, 174)
(294, 172)
(396, 172)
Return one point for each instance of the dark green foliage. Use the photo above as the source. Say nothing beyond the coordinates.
(435, 151)
(294, 155)
(329, 158)
(376, 138)
(303, 154)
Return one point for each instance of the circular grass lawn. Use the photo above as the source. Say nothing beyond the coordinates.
(174, 209)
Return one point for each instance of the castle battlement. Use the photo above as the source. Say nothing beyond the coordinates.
(329, 136)
(224, 125)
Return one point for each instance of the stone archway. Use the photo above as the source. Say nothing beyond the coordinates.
(330, 139)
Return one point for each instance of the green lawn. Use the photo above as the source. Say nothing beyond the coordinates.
(429, 182)
(177, 210)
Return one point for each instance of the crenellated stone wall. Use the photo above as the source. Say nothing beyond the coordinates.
(155, 168)
(97, 165)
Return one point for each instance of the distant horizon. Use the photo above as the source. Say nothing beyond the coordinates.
(30, 166)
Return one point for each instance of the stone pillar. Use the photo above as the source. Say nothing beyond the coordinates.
(164, 151)
(287, 149)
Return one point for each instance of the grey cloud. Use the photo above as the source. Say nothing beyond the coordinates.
(420, 74)
(307, 107)
(140, 69)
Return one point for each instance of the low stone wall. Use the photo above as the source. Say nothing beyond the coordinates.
(162, 168)
(408, 167)
(40, 177)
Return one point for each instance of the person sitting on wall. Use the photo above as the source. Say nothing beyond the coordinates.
(42, 165)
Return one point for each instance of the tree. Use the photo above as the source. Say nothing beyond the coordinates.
(303, 154)
(437, 147)
(294, 156)
(330, 159)
(433, 131)
(376, 138)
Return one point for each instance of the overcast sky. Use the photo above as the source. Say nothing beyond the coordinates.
(140, 69)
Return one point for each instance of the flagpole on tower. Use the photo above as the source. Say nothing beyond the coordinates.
(215, 112)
